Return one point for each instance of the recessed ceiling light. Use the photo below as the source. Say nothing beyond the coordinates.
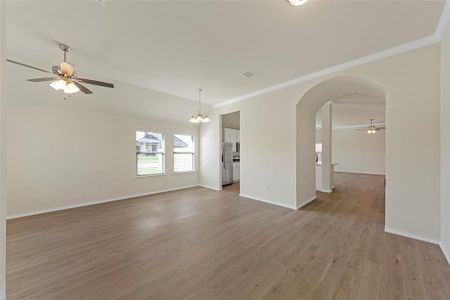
(297, 2)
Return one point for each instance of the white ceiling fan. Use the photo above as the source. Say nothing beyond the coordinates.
(372, 129)
(64, 76)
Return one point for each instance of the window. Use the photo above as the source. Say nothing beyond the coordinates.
(183, 153)
(149, 153)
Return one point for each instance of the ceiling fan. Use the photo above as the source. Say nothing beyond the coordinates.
(372, 129)
(64, 76)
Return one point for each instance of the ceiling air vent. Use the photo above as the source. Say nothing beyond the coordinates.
(248, 74)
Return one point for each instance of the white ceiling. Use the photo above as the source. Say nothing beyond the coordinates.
(178, 46)
(356, 110)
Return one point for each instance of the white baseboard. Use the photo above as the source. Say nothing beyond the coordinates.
(210, 187)
(43, 211)
(362, 173)
(307, 202)
(411, 235)
(268, 201)
(325, 191)
(421, 238)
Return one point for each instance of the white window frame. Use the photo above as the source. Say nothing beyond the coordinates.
(162, 152)
(192, 153)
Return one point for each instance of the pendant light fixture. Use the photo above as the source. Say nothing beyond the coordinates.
(199, 117)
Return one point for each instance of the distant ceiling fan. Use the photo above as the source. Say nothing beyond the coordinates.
(64, 77)
(297, 2)
(372, 129)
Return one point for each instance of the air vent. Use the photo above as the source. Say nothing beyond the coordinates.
(249, 74)
(102, 2)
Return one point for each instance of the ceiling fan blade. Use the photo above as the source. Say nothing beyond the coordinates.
(28, 66)
(55, 70)
(82, 87)
(67, 69)
(42, 79)
(95, 82)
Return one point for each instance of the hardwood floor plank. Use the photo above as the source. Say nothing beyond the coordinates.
(204, 244)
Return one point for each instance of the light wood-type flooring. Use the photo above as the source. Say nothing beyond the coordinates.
(205, 244)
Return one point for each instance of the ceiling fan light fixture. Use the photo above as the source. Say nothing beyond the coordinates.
(64, 76)
(67, 87)
(297, 2)
(58, 84)
(71, 88)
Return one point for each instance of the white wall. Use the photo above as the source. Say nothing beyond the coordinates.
(309, 104)
(327, 143)
(61, 154)
(358, 152)
(412, 87)
(445, 143)
(231, 120)
(261, 162)
(2, 149)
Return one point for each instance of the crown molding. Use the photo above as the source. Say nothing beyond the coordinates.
(443, 21)
(426, 41)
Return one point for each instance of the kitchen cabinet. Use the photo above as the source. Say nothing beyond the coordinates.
(231, 135)
(227, 135)
(319, 178)
(236, 171)
(235, 136)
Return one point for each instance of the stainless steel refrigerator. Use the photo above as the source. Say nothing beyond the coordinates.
(227, 162)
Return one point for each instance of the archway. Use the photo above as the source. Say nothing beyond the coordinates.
(306, 110)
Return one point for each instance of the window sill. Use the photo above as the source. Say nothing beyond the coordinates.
(184, 172)
(149, 175)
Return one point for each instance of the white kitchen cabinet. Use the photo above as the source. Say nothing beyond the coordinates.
(235, 136)
(231, 136)
(227, 135)
(236, 171)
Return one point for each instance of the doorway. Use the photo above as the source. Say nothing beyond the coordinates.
(350, 138)
(231, 151)
(349, 90)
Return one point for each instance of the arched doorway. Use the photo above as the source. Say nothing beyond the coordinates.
(307, 107)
